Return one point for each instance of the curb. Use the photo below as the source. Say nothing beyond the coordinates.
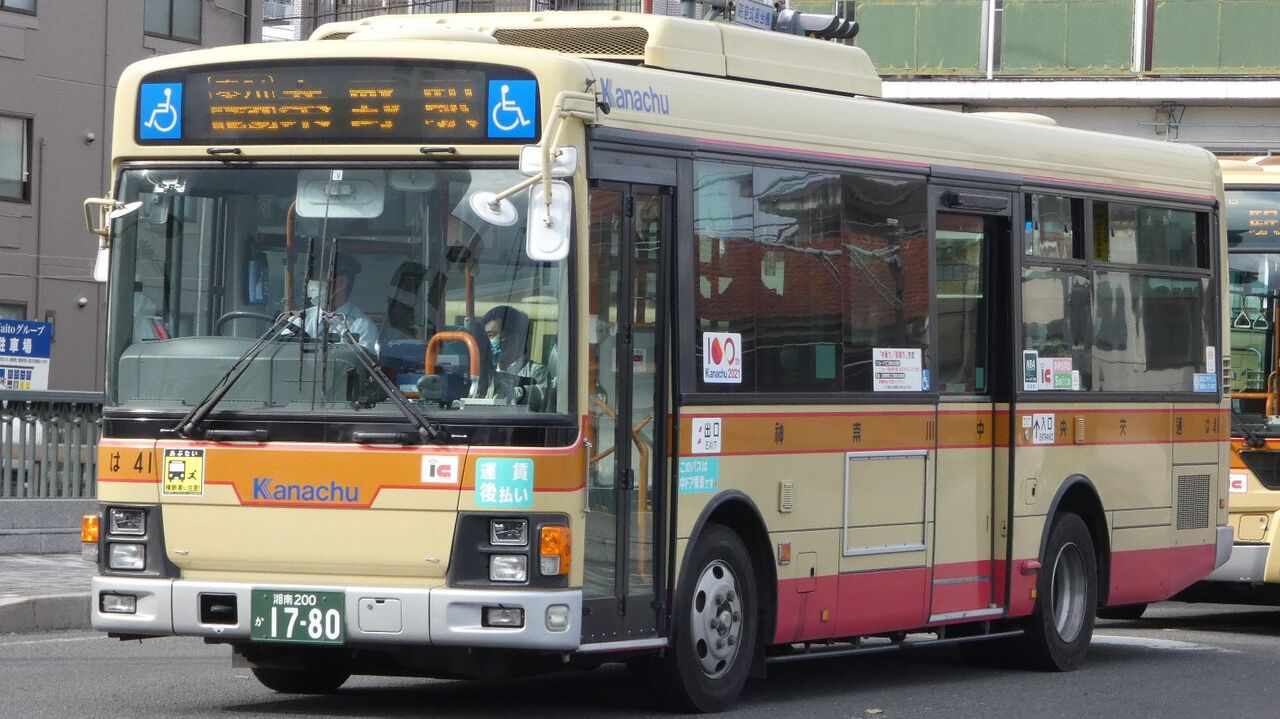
(45, 613)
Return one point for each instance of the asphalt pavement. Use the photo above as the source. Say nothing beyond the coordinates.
(43, 592)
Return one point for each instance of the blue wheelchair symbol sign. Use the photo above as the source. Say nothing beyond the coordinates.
(160, 111)
(513, 108)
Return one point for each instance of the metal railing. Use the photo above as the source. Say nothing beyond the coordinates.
(49, 444)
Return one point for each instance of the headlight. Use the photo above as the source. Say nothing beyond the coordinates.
(508, 568)
(128, 521)
(127, 556)
(509, 532)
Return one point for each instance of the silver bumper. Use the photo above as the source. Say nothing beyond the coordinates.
(1226, 538)
(1248, 563)
(374, 615)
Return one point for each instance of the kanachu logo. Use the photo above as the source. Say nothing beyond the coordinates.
(267, 489)
(722, 357)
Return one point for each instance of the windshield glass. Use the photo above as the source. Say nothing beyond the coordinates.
(448, 307)
(1253, 230)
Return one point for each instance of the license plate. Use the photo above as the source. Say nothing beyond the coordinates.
(277, 615)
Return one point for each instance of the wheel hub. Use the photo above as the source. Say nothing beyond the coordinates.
(716, 619)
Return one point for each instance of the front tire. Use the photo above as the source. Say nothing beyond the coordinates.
(1059, 630)
(714, 626)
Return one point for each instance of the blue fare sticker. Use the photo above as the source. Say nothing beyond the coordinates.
(1205, 381)
(699, 475)
(513, 106)
(160, 111)
(504, 483)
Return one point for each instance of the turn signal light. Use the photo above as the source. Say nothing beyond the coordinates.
(553, 551)
(89, 527)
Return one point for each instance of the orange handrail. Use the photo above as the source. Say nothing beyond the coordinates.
(433, 350)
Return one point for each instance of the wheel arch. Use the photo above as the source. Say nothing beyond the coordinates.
(1079, 496)
(736, 511)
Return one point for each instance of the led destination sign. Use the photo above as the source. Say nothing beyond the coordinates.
(367, 102)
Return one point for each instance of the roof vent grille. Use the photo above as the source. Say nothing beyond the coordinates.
(592, 41)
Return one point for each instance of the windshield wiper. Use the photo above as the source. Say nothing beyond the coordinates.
(190, 426)
(429, 430)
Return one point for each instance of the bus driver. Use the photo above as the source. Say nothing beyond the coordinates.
(338, 302)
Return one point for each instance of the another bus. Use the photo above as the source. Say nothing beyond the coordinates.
(1253, 244)
(481, 345)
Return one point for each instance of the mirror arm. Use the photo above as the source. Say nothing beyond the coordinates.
(95, 217)
(551, 135)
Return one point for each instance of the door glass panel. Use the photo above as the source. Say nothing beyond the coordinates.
(649, 217)
(605, 282)
(962, 303)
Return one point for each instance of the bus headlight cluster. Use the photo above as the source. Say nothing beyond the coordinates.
(508, 568)
(121, 555)
(130, 521)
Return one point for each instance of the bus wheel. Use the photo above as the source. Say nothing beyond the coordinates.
(312, 680)
(1061, 626)
(714, 626)
(1127, 611)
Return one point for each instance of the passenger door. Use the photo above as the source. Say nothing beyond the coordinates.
(971, 265)
(627, 406)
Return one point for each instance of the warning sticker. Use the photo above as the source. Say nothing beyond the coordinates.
(183, 472)
(897, 369)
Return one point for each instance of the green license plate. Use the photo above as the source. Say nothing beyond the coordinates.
(278, 615)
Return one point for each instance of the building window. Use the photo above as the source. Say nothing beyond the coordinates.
(22, 6)
(13, 311)
(15, 158)
(176, 19)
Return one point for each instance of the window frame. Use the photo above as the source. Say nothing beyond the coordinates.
(27, 133)
(1206, 226)
(6, 7)
(170, 34)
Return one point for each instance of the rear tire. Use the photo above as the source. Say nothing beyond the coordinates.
(714, 625)
(1130, 612)
(312, 680)
(1059, 630)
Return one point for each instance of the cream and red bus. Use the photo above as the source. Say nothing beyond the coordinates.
(477, 345)
(1252, 186)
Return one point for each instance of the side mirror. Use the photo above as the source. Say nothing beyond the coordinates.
(547, 231)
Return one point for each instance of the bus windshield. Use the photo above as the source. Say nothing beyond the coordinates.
(389, 262)
(1253, 229)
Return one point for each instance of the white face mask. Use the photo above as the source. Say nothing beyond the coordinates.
(315, 291)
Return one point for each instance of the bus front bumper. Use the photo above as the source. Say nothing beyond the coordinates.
(441, 616)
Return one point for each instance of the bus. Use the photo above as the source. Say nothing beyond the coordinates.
(1253, 233)
(483, 345)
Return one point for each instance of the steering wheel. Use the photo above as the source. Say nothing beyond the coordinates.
(241, 315)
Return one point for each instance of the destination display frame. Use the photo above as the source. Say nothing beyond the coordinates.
(339, 102)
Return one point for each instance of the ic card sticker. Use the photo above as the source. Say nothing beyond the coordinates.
(440, 470)
(183, 472)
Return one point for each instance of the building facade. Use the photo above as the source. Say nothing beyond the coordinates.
(1193, 71)
(59, 61)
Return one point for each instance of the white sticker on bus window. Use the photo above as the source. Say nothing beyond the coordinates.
(1210, 359)
(1239, 483)
(897, 369)
(706, 435)
(722, 358)
(1075, 380)
(1030, 370)
(1042, 429)
(440, 470)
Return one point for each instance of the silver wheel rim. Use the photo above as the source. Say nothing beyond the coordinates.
(715, 618)
(1068, 592)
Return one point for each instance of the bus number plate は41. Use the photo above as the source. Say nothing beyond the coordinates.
(277, 615)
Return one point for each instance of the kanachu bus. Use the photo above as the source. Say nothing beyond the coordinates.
(1253, 257)
(479, 345)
